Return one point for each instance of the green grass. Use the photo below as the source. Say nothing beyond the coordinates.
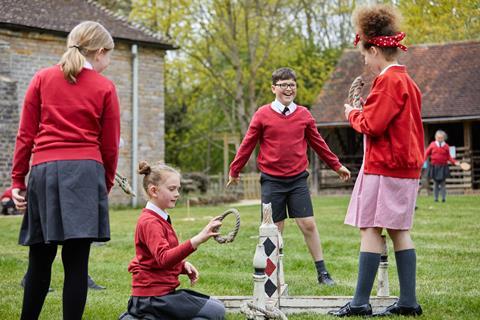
(446, 236)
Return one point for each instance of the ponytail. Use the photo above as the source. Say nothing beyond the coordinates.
(83, 41)
(72, 63)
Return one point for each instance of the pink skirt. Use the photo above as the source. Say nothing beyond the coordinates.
(383, 202)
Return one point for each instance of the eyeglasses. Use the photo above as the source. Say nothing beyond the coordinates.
(286, 85)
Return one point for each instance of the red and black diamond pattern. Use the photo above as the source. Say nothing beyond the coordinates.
(271, 251)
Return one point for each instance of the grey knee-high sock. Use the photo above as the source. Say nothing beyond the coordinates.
(368, 263)
(406, 268)
(436, 189)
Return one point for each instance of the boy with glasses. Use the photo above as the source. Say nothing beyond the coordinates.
(284, 129)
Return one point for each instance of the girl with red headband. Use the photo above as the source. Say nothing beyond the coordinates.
(386, 188)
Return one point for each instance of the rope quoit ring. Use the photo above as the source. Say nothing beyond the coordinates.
(231, 235)
(355, 92)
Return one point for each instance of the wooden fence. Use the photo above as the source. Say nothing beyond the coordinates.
(248, 188)
(325, 179)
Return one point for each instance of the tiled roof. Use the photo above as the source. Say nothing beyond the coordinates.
(60, 16)
(448, 76)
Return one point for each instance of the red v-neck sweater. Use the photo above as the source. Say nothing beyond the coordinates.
(283, 143)
(158, 257)
(64, 121)
(439, 155)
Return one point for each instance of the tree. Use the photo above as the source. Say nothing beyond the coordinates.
(437, 21)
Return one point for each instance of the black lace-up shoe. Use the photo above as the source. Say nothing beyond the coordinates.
(396, 310)
(325, 278)
(350, 311)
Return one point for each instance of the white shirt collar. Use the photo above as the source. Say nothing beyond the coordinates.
(391, 65)
(278, 107)
(440, 144)
(87, 65)
(157, 210)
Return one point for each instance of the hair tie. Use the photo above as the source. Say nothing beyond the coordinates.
(384, 41)
(74, 46)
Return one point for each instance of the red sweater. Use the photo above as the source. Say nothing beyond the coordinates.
(64, 121)
(392, 122)
(7, 194)
(283, 143)
(159, 257)
(439, 155)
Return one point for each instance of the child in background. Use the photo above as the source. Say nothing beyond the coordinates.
(439, 153)
(284, 129)
(160, 259)
(69, 129)
(8, 206)
(386, 188)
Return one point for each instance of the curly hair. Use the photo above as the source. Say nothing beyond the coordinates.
(377, 20)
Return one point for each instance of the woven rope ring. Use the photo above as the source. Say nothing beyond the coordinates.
(354, 94)
(232, 234)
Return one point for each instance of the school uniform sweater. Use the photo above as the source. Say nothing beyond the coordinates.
(64, 121)
(158, 256)
(439, 155)
(391, 120)
(283, 143)
(7, 194)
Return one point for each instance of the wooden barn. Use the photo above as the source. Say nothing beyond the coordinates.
(448, 76)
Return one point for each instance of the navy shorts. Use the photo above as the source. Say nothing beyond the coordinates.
(287, 193)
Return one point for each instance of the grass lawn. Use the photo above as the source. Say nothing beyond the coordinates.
(447, 236)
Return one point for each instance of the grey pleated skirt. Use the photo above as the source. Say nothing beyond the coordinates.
(66, 199)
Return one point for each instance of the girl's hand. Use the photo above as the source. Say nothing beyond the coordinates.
(18, 197)
(192, 273)
(209, 231)
(344, 173)
(348, 109)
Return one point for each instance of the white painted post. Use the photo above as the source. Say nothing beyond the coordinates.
(383, 286)
(259, 278)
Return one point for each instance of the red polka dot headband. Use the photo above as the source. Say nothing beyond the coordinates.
(384, 41)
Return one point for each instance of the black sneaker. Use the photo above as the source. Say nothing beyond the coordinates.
(93, 285)
(325, 278)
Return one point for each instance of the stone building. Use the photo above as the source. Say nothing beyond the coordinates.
(33, 36)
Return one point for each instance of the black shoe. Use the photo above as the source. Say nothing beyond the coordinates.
(443, 200)
(349, 311)
(325, 278)
(93, 285)
(395, 309)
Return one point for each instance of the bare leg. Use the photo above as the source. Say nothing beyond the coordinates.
(371, 240)
(311, 236)
(280, 225)
(401, 239)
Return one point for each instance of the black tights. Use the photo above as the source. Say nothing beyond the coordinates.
(37, 281)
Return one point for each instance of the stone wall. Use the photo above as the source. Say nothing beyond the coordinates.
(29, 51)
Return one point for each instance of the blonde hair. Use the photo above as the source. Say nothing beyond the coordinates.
(84, 40)
(154, 174)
